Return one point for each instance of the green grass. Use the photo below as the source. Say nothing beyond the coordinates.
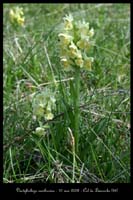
(31, 58)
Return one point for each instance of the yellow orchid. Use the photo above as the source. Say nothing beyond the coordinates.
(65, 39)
(43, 104)
(72, 49)
(66, 63)
(91, 32)
(88, 63)
(49, 116)
(17, 16)
(84, 42)
(68, 22)
(75, 43)
(38, 110)
(79, 62)
(20, 21)
(83, 27)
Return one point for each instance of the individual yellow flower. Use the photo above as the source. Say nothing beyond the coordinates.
(64, 61)
(11, 14)
(83, 43)
(91, 32)
(72, 46)
(88, 62)
(79, 62)
(65, 39)
(49, 116)
(72, 50)
(20, 21)
(68, 22)
(66, 64)
(83, 27)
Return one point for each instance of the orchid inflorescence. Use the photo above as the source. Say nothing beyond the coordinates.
(43, 105)
(17, 16)
(75, 43)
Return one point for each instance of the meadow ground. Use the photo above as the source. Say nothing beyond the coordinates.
(31, 60)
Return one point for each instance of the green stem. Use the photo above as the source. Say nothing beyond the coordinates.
(74, 163)
(76, 108)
